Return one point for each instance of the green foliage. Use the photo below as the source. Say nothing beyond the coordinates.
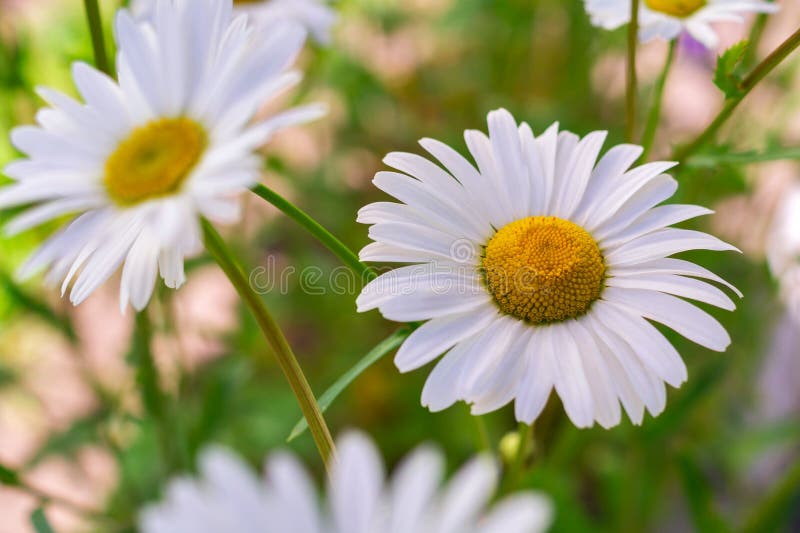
(728, 75)
(383, 348)
(40, 523)
(81, 432)
(699, 495)
(8, 477)
(540, 59)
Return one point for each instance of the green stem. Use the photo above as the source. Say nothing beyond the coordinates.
(517, 468)
(776, 505)
(153, 398)
(658, 97)
(632, 83)
(754, 39)
(337, 247)
(98, 41)
(482, 433)
(749, 83)
(275, 338)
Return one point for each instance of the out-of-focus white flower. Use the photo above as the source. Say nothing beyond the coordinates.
(228, 496)
(783, 249)
(315, 15)
(540, 269)
(668, 18)
(144, 158)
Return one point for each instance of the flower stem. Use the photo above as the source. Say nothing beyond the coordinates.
(658, 97)
(747, 85)
(153, 399)
(275, 338)
(632, 83)
(517, 468)
(339, 249)
(98, 41)
(482, 433)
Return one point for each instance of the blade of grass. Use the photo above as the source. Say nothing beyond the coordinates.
(384, 347)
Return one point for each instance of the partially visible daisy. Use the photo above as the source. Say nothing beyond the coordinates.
(315, 15)
(143, 159)
(669, 18)
(783, 250)
(540, 269)
(228, 496)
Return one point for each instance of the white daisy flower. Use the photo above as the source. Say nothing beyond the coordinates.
(540, 269)
(315, 15)
(669, 18)
(783, 250)
(228, 496)
(141, 160)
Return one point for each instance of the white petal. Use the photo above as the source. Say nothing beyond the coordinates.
(519, 513)
(466, 494)
(537, 381)
(663, 243)
(413, 489)
(439, 335)
(356, 484)
(686, 319)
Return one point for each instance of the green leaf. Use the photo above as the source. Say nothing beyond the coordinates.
(40, 523)
(33, 305)
(8, 477)
(700, 498)
(728, 76)
(383, 348)
(712, 160)
(65, 443)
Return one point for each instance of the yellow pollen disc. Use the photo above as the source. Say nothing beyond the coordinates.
(154, 160)
(543, 269)
(676, 8)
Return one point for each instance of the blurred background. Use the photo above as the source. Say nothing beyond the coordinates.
(71, 413)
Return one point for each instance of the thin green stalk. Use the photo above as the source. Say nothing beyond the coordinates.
(153, 398)
(777, 505)
(517, 468)
(275, 338)
(339, 249)
(98, 40)
(632, 83)
(384, 347)
(482, 433)
(747, 85)
(754, 39)
(658, 97)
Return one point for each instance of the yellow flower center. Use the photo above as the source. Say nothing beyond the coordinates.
(543, 269)
(154, 160)
(676, 8)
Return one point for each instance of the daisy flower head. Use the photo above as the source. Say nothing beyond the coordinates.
(228, 496)
(669, 18)
(783, 250)
(540, 269)
(139, 161)
(315, 15)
